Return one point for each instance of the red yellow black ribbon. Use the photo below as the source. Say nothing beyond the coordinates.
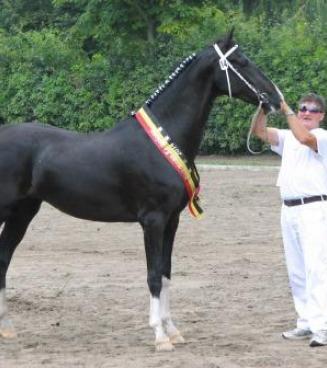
(174, 156)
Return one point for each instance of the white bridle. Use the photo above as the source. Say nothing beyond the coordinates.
(225, 65)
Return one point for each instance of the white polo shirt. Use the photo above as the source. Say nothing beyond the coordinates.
(303, 171)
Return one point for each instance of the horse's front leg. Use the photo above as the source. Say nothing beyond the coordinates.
(169, 236)
(154, 225)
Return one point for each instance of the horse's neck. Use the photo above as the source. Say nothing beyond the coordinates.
(184, 108)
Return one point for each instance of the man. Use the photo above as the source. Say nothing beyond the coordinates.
(303, 186)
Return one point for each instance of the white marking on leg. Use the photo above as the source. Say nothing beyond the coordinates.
(161, 339)
(6, 328)
(155, 318)
(171, 329)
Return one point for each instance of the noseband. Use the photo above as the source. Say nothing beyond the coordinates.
(225, 65)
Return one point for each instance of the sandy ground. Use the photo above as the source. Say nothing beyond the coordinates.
(78, 296)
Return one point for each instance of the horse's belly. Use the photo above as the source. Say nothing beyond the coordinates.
(107, 212)
(88, 201)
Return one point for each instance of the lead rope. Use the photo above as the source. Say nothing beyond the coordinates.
(248, 138)
(253, 120)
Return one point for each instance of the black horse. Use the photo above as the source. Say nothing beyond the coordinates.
(120, 175)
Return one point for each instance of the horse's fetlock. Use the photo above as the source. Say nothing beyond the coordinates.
(154, 322)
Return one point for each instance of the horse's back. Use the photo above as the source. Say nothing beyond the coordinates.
(109, 175)
(31, 131)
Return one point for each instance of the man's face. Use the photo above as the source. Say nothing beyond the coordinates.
(310, 114)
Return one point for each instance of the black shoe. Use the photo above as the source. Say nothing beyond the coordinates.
(319, 338)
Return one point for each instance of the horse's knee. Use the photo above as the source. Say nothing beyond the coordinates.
(5, 212)
(154, 221)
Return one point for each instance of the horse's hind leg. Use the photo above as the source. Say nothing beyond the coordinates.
(12, 233)
(153, 225)
(169, 236)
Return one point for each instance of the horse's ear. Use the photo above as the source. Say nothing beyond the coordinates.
(229, 37)
(227, 41)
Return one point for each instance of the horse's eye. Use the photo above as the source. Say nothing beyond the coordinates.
(242, 61)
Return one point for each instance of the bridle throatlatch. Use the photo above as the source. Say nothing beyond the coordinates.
(262, 97)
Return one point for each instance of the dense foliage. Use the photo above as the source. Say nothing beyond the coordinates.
(84, 64)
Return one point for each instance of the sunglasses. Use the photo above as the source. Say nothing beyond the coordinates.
(314, 110)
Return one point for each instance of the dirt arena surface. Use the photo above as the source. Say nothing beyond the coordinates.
(78, 295)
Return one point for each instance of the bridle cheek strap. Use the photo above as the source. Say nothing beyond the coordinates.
(225, 65)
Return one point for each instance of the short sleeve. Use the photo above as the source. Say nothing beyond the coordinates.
(281, 139)
(321, 136)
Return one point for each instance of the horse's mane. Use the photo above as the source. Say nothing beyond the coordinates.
(179, 69)
(187, 61)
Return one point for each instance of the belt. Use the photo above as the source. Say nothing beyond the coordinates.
(305, 200)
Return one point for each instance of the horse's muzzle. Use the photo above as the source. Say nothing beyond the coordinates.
(267, 104)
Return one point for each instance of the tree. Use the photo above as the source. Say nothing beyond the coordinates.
(24, 15)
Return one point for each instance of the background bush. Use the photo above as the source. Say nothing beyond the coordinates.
(85, 64)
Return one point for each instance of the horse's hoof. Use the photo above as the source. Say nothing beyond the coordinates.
(177, 339)
(7, 330)
(164, 345)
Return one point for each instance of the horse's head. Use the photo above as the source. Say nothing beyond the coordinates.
(238, 76)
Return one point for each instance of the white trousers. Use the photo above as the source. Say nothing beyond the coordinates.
(304, 230)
